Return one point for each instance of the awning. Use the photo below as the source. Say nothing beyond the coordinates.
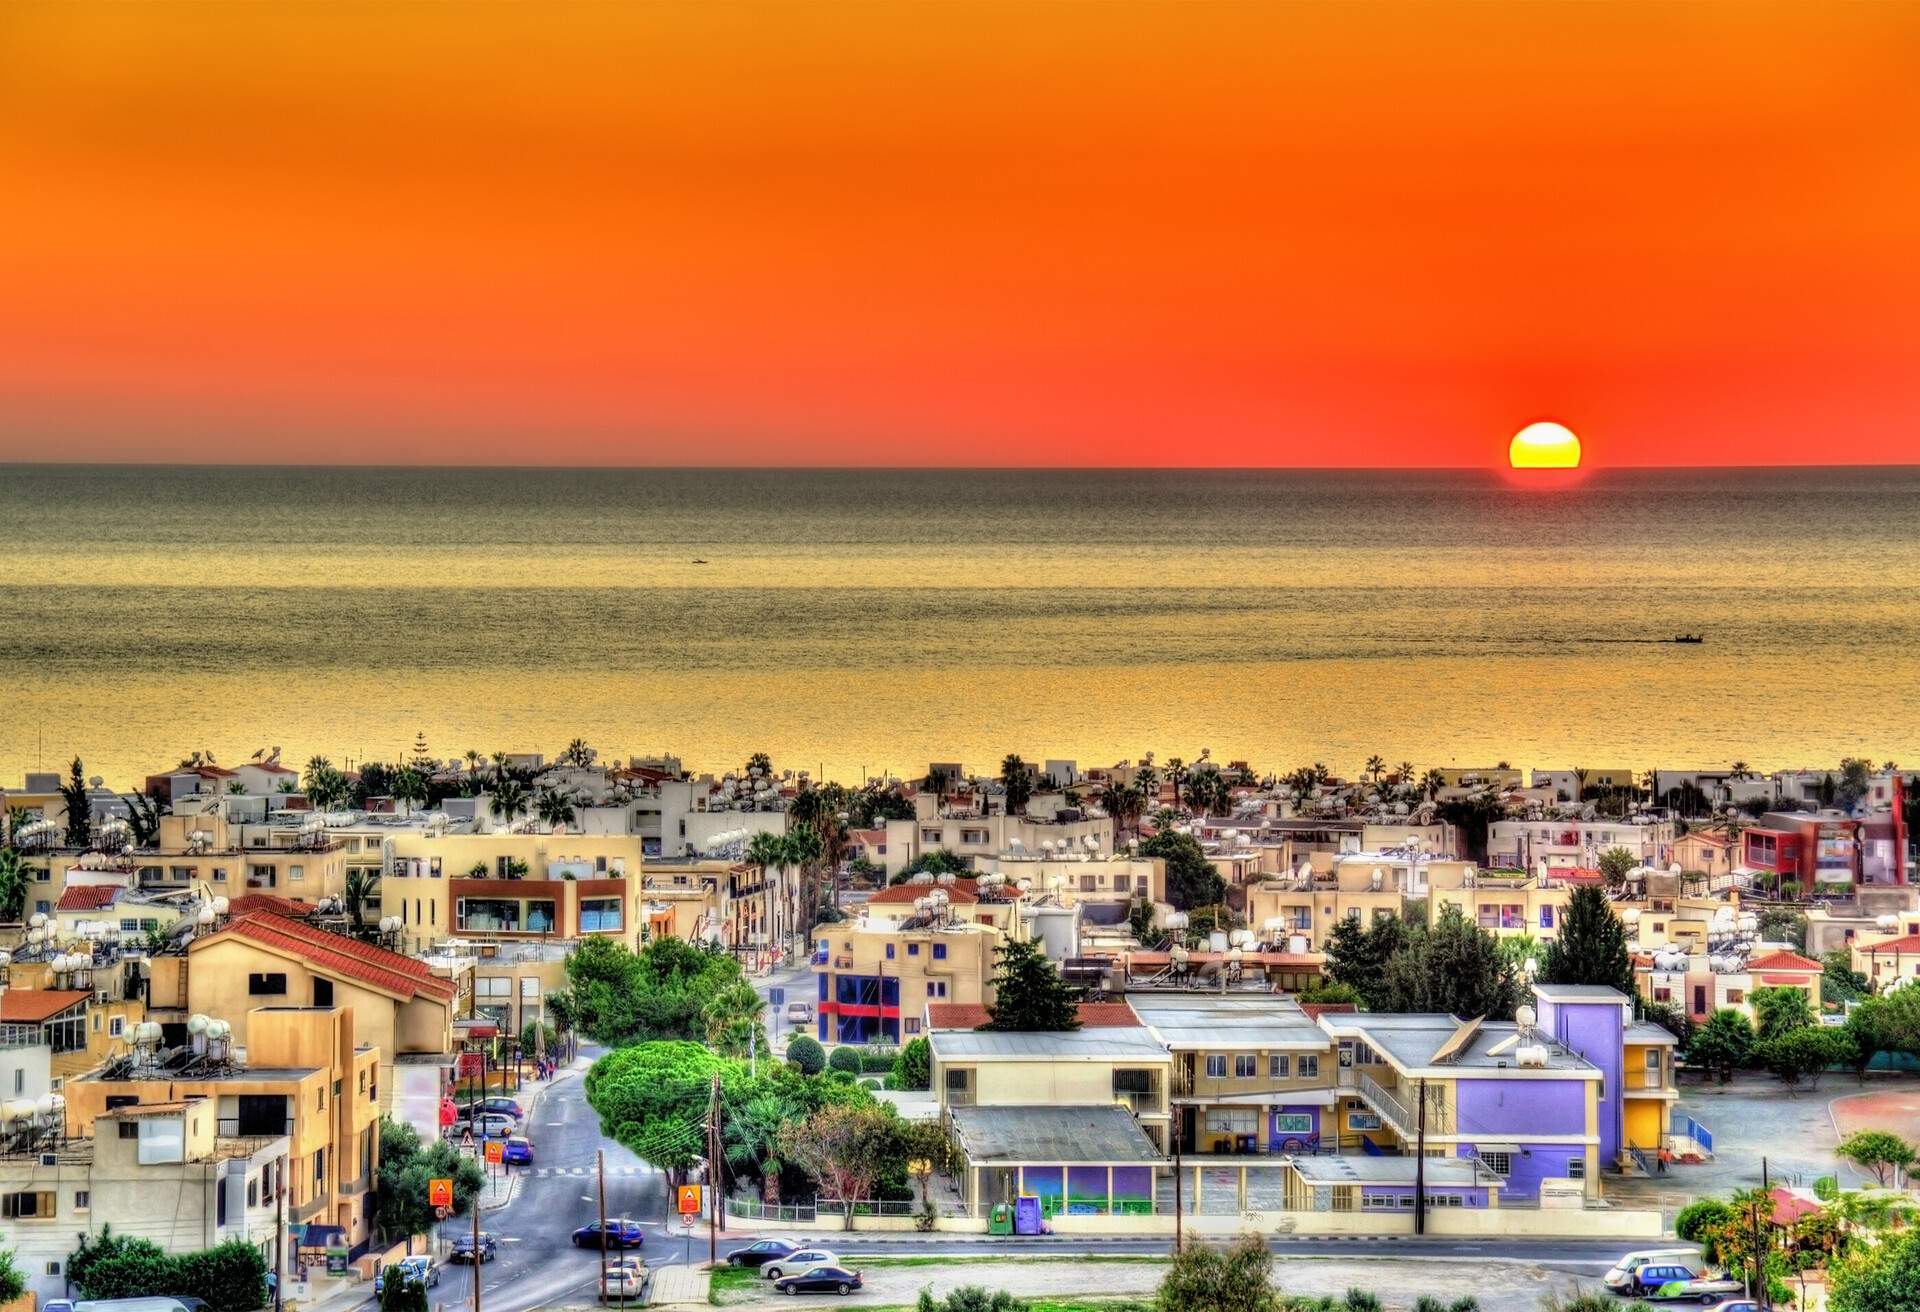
(324, 1236)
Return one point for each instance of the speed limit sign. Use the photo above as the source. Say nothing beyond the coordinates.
(686, 1220)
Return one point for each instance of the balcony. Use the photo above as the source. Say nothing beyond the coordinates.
(311, 1208)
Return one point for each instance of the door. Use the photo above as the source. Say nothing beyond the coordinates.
(322, 992)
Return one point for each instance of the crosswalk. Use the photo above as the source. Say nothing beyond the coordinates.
(543, 1171)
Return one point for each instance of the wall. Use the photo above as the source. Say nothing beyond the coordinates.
(1595, 1030)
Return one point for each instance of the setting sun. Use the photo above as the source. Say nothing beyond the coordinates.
(1544, 445)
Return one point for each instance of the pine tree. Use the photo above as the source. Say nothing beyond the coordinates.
(1029, 995)
(1591, 947)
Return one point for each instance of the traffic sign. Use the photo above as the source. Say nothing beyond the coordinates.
(440, 1192)
(776, 997)
(496, 1150)
(689, 1198)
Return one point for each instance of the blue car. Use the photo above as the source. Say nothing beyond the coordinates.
(518, 1152)
(620, 1233)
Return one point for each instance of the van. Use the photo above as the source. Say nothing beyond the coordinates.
(183, 1303)
(1620, 1277)
(799, 1013)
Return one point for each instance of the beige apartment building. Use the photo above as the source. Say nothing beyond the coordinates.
(305, 1079)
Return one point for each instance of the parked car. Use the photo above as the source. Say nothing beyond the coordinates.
(625, 1279)
(502, 1107)
(758, 1255)
(797, 1261)
(419, 1267)
(1729, 1305)
(799, 1013)
(820, 1280)
(1700, 1289)
(518, 1152)
(620, 1233)
(1620, 1277)
(487, 1125)
(1654, 1275)
(464, 1248)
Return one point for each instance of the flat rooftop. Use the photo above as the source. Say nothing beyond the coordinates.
(1103, 1134)
(1442, 1172)
(1190, 1021)
(1108, 1043)
(1413, 1042)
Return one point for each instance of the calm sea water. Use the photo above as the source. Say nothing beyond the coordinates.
(852, 619)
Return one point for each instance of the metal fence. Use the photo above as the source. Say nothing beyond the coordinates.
(1700, 1134)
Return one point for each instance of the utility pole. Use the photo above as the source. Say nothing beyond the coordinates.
(1420, 1168)
(713, 1172)
(1178, 1125)
(1760, 1241)
(600, 1170)
(280, 1235)
(477, 1255)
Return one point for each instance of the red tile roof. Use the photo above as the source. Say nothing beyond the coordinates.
(971, 1016)
(88, 897)
(271, 767)
(1784, 961)
(248, 904)
(1908, 943)
(336, 954)
(1788, 1208)
(31, 1006)
(960, 892)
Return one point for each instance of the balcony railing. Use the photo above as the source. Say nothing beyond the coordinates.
(1395, 1110)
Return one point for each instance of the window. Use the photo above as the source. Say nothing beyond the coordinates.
(129, 1129)
(889, 952)
(601, 914)
(1546, 916)
(913, 1025)
(1498, 1163)
(116, 1026)
(322, 992)
(1233, 1120)
(913, 949)
(936, 988)
(1576, 1168)
(1244, 1066)
(1217, 1068)
(1123, 883)
(219, 874)
(82, 1199)
(939, 951)
(319, 1165)
(1309, 1066)
(1277, 1066)
(128, 925)
(267, 984)
(1736, 996)
(1089, 883)
(27, 1206)
(20, 1080)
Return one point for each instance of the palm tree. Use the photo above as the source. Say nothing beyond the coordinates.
(361, 887)
(509, 801)
(473, 758)
(1432, 782)
(1739, 770)
(1017, 777)
(554, 808)
(1404, 771)
(13, 885)
(1124, 802)
(577, 753)
(1376, 766)
(409, 788)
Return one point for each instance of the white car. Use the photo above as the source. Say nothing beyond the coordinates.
(800, 1259)
(626, 1279)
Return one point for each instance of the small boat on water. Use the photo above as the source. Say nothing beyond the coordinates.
(702, 562)
(1689, 638)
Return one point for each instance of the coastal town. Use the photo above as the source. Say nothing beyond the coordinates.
(570, 1028)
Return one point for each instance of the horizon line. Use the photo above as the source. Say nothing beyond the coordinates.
(932, 468)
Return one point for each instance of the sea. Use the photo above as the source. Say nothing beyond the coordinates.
(858, 622)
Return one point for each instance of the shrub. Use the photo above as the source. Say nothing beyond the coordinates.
(913, 1068)
(12, 1283)
(877, 1060)
(403, 1293)
(1698, 1221)
(806, 1054)
(970, 1298)
(845, 1058)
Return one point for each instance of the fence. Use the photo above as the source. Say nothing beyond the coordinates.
(1700, 1134)
(748, 1209)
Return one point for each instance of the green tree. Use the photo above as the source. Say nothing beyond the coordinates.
(1839, 981)
(1357, 956)
(913, 1068)
(13, 886)
(1881, 1152)
(1805, 1053)
(1454, 967)
(653, 1097)
(1698, 1220)
(231, 1277)
(1591, 947)
(409, 788)
(670, 989)
(407, 1166)
(1238, 1279)
(576, 754)
(360, 887)
(1029, 994)
(805, 1054)
(1125, 803)
(1018, 778)
(1207, 791)
(508, 802)
(1882, 1277)
(402, 1291)
(1724, 1043)
(1779, 1011)
(845, 1148)
(1192, 880)
(1616, 863)
(554, 808)
(12, 1283)
(79, 806)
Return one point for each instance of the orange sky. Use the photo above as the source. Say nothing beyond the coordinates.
(959, 233)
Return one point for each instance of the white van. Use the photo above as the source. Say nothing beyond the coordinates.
(1620, 1276)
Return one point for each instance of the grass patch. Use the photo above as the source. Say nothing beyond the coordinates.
(729, 1279)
